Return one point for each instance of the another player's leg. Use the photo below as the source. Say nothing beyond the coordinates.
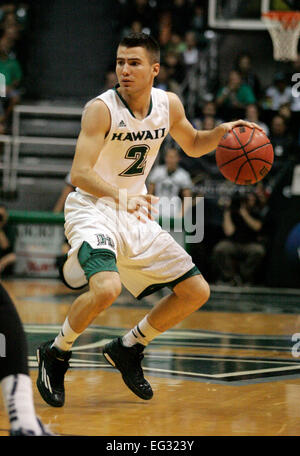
(14, 376)
(54, 356)
(126, 353)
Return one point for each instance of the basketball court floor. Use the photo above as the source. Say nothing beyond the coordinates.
(230, 369)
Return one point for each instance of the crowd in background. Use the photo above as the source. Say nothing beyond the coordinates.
(236, 235)
(13, 26)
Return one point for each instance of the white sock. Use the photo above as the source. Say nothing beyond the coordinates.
(18, 401)
(142, 333)
(66, 337)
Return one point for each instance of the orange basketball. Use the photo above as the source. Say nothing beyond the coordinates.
(244, 155)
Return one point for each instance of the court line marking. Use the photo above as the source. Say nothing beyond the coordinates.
(231, 374)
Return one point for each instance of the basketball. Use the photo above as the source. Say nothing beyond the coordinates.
(244, 155)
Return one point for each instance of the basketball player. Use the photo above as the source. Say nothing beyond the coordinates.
(115, 240)
(14, 377)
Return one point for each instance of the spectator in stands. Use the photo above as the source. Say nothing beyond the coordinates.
(191, 53)
(207, 164)
(68, 188)
(11, 69)
(233, 98)
(164, 82)
(197, 22)
(282, 141)
(244, 67)
(278, 93)
(7, 256)
(181, 14)
(176, 44)
(209, 110)
(170, 182)
(110, 80)
(175, 67)
(140, 11)
(252, 115)
(134, 27)
(236, 258)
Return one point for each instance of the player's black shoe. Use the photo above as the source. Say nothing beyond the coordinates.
(128, 361)
(53, 365)
(29, 432)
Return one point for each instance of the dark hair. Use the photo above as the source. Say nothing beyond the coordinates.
(145, 41)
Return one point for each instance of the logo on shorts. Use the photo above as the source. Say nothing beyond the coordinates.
(105, 240)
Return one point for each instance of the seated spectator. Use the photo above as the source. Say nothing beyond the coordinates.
(252, 115)
(233, 98)
(110, 80)
(209, 111)
(170, 182)
(164, 82)
(282, 141)
(191, 53)
(175, 67)
(180, 15)
(278, 93)
(197, 22)
(12, 72)
(68, 188)
(7, 256)
(176, 44)
(285, 112)
(236, 258)
(244, 67)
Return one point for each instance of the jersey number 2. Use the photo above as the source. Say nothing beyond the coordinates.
(139, 155)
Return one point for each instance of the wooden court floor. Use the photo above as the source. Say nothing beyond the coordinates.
(230, 369)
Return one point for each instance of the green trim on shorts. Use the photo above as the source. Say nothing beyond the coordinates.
(158, 286)
(96, 260)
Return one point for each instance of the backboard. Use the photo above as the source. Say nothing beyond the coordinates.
(242, 14)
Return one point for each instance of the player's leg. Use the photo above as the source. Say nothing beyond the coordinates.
(53, 356)
(163, 263)
(126, 353)
(187, 297)
(14, 376)
(91, 260)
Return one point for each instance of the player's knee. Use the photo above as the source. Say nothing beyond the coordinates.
(195, 292)
(104, 293)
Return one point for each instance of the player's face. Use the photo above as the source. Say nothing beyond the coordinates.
(134, 69)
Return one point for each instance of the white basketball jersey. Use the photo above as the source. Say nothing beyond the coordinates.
(131, 146)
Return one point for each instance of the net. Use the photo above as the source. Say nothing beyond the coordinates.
(284, 28)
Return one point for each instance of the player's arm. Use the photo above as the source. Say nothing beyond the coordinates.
(94, 127)
(196, 143)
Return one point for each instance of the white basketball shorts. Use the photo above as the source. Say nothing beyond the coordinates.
(146, 257)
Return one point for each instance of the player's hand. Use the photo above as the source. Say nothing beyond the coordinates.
(227, 126)
(142, 206)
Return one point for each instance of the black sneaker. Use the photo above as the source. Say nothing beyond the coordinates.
(128, 361)
(28, 432)
(53, 365)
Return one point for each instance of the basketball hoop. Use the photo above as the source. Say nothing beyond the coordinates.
(284, 28)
